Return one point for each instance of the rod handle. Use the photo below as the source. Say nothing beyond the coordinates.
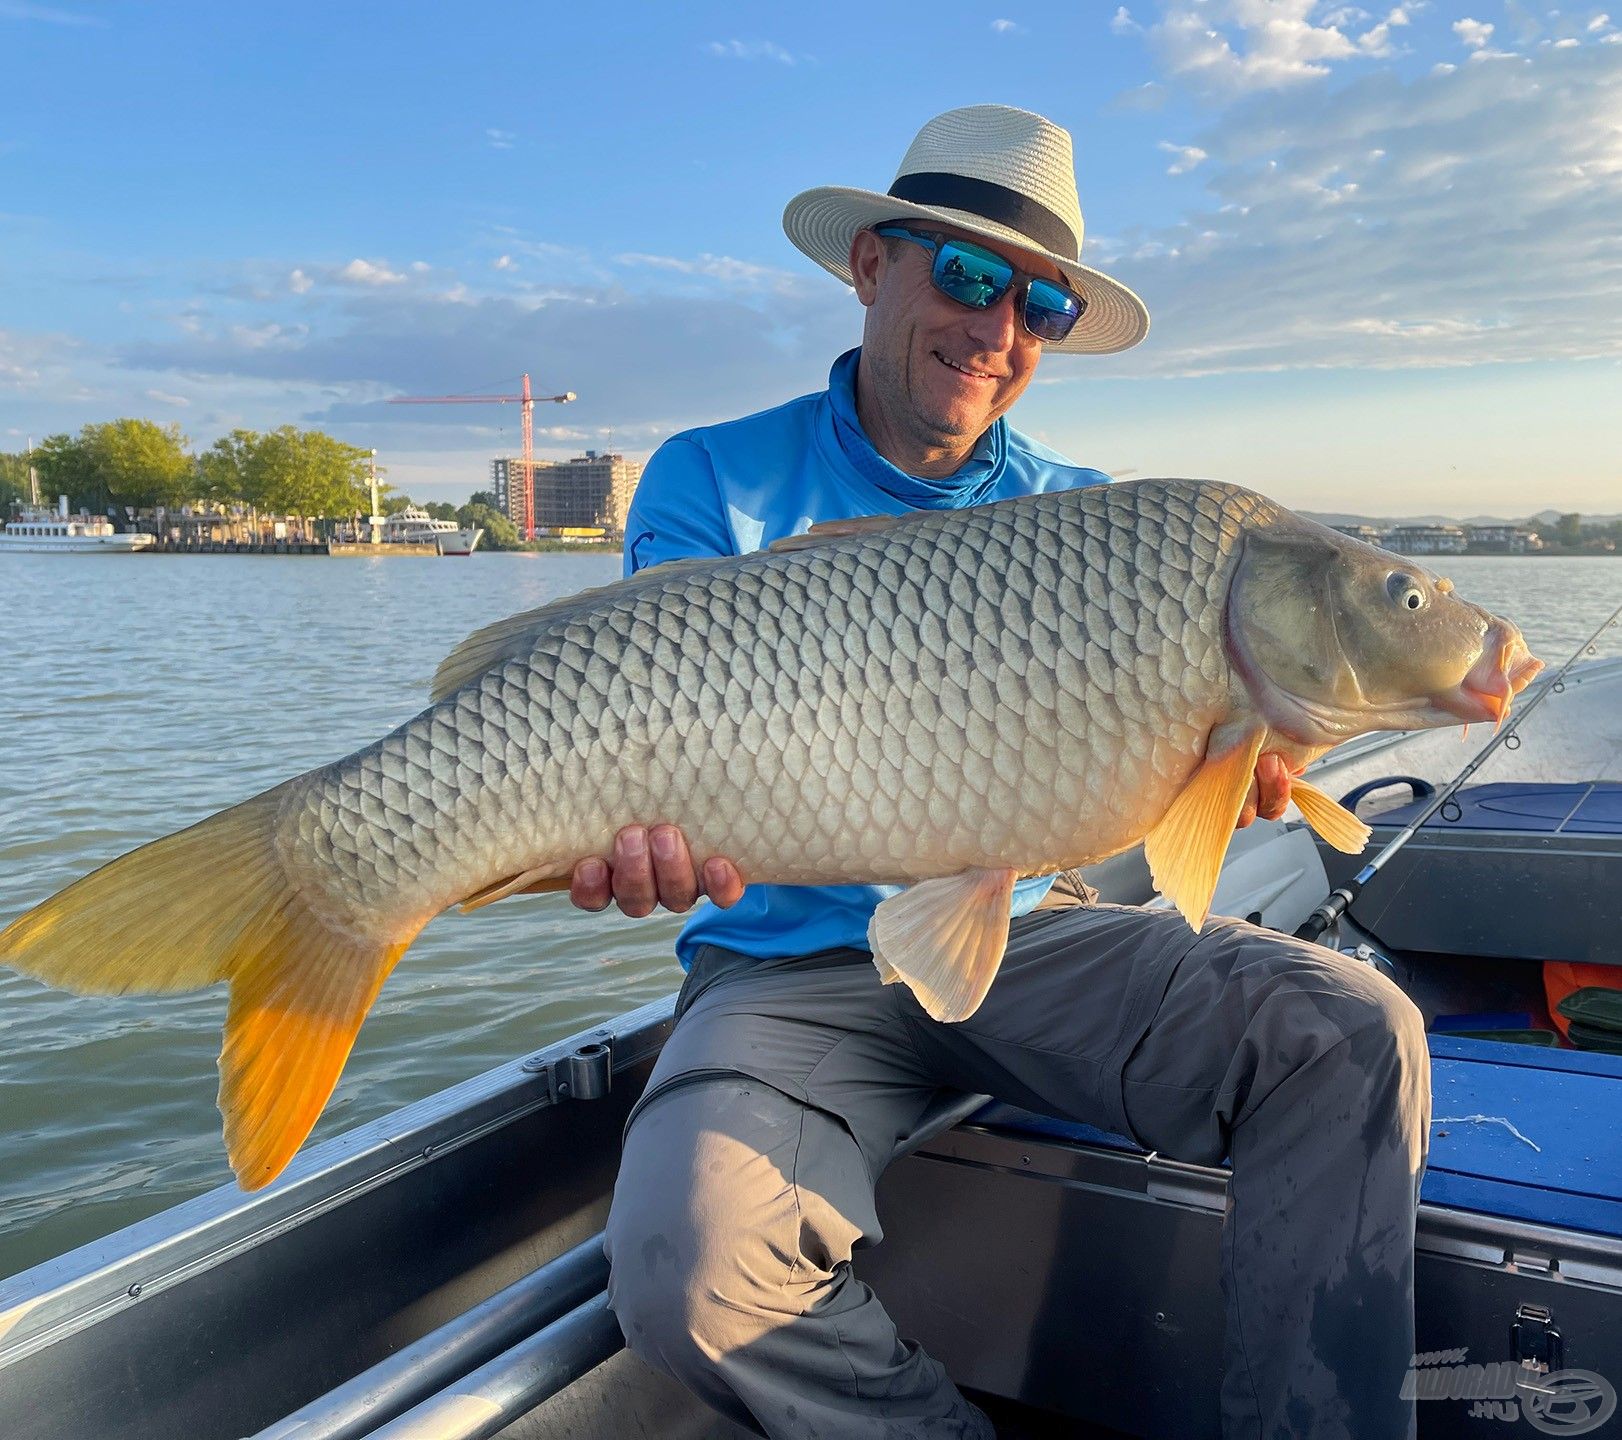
(1333, 907)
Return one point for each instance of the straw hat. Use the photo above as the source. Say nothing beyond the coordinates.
(1004, 174)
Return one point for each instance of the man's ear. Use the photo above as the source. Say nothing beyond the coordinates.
(866, 260)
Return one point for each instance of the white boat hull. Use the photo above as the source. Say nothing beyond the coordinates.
(459, 542)
(126, 544)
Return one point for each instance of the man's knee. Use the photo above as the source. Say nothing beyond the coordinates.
(1356, 1030)
(711, 1242)
(1292, 987)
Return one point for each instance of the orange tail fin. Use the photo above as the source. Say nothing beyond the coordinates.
(213, 903)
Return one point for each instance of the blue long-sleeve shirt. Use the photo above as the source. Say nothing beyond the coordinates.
(729, 489)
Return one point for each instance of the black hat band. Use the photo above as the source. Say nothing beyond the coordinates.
(993, 201)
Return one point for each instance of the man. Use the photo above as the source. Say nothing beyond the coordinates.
(792, 1072)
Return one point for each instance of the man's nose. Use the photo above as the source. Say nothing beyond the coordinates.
(997, 326)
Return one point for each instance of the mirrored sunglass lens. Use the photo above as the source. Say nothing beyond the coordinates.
(1051, 312)
(972, 276)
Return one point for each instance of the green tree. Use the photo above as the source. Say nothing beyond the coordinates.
(1569, 530)
(223, 468)
(440, 509)
(138, 463)
(122, 462)
(13, 482)
(66, 467)
(289, 472)
(394, 502)
(499, 532)
(306, 472)
(483, 497)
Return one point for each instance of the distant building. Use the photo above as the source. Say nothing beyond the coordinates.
(588, 494)
(1372, 533)
(1502, 539)
(1426, 540)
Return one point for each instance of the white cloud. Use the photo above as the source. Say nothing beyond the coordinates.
(1146, 97)
(749, 50)
(499, 139)
(1598, 23)
(163, 397)
(48, 14)
(1228, 47)
(1466, 218)
(504, 262)
(299, 283)
(1474, 33)
(1188, 156)
(365, 272)
(1122, 22)
(1007, 27)
(268, 336)
(737, 274)
(27, 360)
(645, 363)
(1377, 39)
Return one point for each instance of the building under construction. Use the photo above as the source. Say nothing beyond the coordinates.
(590, 493)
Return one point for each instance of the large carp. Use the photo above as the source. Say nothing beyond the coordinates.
(947, 699)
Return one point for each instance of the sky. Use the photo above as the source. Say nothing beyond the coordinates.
(1379, 247)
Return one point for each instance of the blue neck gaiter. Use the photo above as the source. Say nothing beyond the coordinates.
(968, 486)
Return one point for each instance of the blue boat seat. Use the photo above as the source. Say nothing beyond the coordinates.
(1564, 1101)
(1593, 808)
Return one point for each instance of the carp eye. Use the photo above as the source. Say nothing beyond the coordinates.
(1404, 589)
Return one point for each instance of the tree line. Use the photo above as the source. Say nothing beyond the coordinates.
(139, 465)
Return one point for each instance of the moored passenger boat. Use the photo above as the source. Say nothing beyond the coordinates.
(415, 526)
(438, 1273)
(47, 532)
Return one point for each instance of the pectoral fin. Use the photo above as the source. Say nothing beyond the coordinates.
(945, 938)
(1338, 826)
(1185, 849)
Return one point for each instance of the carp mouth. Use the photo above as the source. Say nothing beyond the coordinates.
(1506, 668)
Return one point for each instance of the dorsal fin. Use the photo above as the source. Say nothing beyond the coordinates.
(837, 530)
(485, 649)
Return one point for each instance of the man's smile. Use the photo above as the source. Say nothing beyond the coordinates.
(972, 373)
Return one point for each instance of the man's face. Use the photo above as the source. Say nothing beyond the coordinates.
(941, 372)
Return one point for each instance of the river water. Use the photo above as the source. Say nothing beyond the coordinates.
(142, 693)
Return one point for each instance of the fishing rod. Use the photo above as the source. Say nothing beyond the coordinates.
(1335, 903)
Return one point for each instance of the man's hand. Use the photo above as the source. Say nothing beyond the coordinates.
(651, 868)
(1269, 791)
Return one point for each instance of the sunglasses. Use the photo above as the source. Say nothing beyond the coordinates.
(979, 278)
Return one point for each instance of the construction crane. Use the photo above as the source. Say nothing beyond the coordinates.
(520, 497)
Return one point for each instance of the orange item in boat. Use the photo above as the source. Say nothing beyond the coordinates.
(1562, 977)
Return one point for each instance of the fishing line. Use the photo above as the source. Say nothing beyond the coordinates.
(1335, 903)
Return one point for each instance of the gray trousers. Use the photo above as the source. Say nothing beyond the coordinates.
(751, 1159)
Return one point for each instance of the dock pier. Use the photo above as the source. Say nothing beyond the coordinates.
(205, 545)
